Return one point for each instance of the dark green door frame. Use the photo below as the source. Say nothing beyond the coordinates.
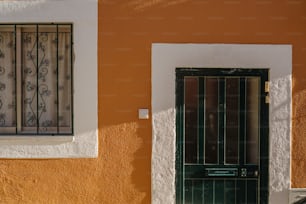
(194, 173)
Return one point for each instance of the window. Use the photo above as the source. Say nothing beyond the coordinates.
(36, 79)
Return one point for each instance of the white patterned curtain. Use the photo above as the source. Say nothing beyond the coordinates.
(7, 80)
(45, 74)
(46, 63)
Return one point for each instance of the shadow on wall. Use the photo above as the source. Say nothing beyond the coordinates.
(118, 175)
(141, 175)
(123, 153)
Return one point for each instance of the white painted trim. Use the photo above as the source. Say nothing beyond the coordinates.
(84, 16)
(166, 57)
(37, 140)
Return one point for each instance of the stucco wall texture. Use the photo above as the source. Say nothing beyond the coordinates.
(121, 173)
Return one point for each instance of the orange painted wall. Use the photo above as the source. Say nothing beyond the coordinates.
(121, 173)
(129, 27)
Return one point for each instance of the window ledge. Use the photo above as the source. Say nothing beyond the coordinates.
(84, 144)
(35, 140)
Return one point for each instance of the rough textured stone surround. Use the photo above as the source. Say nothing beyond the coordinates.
(166, 57)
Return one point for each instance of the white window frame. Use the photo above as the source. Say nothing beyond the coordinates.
(84, 143)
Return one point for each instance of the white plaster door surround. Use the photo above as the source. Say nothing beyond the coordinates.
(167, 57)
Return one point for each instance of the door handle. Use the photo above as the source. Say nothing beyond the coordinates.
(244, 173)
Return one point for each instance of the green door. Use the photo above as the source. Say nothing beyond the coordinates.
(222, 136)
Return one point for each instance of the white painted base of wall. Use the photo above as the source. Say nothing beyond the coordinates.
(166, 57)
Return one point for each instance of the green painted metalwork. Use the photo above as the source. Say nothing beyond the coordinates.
(201, 119)
(208, 183)
(34, 33)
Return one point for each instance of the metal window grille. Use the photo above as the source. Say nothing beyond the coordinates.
(36, 79)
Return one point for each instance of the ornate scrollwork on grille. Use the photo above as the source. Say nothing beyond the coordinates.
(2, 70)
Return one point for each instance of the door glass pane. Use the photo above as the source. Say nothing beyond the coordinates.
(65, 78)
(208, 188)
(47, 80)
(252, 191)
(241, 191)
(188, 191)
(219, 191)
(29, 55)
(252, 120)
(7, 80)
(191, 119)
(232, 121)
(211, 120)
(230, 191)
(198, 191)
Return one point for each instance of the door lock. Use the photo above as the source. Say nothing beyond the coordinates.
(243, 172)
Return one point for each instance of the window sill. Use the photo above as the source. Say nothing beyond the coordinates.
(35, 140)
(84, 144)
